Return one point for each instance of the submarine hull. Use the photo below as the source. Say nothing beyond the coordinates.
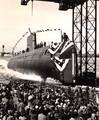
(37, 62)
(40, 62)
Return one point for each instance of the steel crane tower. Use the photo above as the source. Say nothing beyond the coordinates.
(85, 37)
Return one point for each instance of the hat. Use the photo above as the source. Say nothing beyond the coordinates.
(72, 118)
(30, 97)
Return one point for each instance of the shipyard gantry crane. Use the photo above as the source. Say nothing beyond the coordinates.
(84, 35)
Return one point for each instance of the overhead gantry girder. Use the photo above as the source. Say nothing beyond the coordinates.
(84, 36)
(63, 4)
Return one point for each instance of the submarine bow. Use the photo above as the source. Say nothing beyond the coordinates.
(54, 61)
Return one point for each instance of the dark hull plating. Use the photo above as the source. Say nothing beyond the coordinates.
(38, 62)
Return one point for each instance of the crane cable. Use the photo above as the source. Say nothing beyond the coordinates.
(32, 7)
(18, 42)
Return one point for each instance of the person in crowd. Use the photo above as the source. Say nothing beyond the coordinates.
(24, 100)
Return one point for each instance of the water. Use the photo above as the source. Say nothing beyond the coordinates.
(7, 74)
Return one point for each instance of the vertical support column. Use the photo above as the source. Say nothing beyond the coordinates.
(86, 42)
(95, 52)
(77, 37)
(81, 42)
(84, 37)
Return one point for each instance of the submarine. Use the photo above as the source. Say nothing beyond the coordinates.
(53, 60)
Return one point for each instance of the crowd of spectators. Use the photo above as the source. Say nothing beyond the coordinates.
(24, 100)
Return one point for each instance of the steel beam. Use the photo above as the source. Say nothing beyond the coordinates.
(84, 36)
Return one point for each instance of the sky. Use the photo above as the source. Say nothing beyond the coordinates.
(16, 19)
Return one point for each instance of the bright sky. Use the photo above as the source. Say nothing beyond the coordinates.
(16, 19)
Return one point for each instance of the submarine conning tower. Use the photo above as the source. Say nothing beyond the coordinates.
(31, 41)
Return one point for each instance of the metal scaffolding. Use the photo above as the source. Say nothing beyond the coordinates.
(84, 37)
